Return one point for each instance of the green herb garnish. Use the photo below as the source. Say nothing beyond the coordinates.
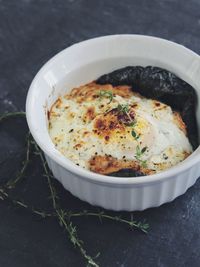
(108, 94)
(132, 124)
(136, 136)
(143, 163)
(139, 153)
(123, 108)
(144, 149)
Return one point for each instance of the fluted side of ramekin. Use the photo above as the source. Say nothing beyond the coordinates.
(121, 197)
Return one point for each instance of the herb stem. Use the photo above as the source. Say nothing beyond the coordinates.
(105, 93)
(11, 183)
(4, 195)
(12, 114)
(141, 226)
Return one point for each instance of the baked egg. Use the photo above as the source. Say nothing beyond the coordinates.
(105, 128)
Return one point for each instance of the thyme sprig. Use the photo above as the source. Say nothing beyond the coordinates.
(139, 153)
(101, 215)
(63, 216)
(106, 93)
(12, 114)
(21, 204)
(123, 108)
(12, 182)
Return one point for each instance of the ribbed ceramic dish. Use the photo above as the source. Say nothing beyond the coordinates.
(84, 62)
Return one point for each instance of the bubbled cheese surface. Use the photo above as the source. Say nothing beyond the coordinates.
(105, 121)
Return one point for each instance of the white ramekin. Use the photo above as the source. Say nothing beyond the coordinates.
(84, 62)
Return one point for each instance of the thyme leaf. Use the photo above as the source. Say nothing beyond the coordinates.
(143, 163)
(123, 108)
(105, 93)
(143, 149)
(139, 151)
(136, 136)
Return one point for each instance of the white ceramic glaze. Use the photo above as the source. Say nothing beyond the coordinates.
(84, 62)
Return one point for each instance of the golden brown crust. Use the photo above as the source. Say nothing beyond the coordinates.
(108, 164)
(89, 114)
(113, 123)
(179, 122)
(91, 91)
(107, 125)
(79, 145)
(158, 105)
(56, 104)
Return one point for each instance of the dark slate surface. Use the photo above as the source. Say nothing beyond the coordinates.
(30, 33)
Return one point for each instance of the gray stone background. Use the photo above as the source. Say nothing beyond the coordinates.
(32, 31)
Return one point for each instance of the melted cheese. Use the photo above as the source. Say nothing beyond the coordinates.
(89, 128)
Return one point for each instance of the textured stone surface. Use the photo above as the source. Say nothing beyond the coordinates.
(30, 33)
